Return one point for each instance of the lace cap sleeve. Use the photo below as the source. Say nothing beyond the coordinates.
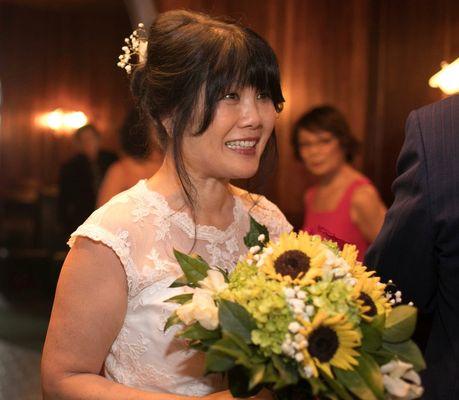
(108, 226)
(268, 214)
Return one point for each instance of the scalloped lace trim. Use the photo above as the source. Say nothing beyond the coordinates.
(186, 224)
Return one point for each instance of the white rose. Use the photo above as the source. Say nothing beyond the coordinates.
(214, 282)
(401, 381)
(205, 310)
(186, 313)
(202, 308)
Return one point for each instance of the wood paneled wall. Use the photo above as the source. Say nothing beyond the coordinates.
(409, 40)
(372, 59)
(57, 55)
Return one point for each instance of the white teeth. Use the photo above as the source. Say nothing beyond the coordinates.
(241, 144)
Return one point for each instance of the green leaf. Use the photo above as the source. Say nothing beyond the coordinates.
(337, 387)
(257, 374)
(288, 372)
(381, 356)
(354, 382)
(271, 375)
(228, 347)
(202, 345)
(235, 319)
(256, 229)
(238, 341)
(197, 332)
(172, 320)
(407, 351)
(181, 298)
(369, 370)
(218, 362)
(372, 338)
(379, 322)
(182, 281)
(400, 324)
(194, 268)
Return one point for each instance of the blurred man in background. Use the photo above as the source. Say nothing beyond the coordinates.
(80, 178)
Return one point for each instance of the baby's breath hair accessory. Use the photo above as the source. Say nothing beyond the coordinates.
(136, 46)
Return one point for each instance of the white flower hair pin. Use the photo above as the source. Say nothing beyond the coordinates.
(136, 45)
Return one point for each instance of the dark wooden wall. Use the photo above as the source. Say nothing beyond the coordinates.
(57, 54)
(372, 59)
(409, 40)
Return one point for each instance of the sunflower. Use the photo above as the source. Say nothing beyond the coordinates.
(349, 254)
(331, 342)
(295, 258)
(369, 293)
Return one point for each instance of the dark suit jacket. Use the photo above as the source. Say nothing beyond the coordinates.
(418, 246)
(79, 182)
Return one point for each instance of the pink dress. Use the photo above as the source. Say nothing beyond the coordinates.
(336, 224)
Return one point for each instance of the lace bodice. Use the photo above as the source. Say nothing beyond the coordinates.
(141, 228)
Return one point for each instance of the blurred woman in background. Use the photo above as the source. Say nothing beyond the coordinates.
(141, 158)
(343, 205)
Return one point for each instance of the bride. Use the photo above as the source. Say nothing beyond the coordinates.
(212, 90)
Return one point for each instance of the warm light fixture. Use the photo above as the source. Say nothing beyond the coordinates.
(62, 121)
(447, 79)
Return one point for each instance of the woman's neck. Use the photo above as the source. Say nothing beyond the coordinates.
(213, 201)
(336, 178)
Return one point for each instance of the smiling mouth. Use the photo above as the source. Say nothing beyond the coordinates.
(242, 144)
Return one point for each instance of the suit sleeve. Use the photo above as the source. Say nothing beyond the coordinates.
(404, 250)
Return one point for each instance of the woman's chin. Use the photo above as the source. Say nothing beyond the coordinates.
(245, 174)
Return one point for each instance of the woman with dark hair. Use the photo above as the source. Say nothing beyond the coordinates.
(212, 90)
(141, 158)
(343, 205)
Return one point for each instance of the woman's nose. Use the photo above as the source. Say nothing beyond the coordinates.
(251, 116)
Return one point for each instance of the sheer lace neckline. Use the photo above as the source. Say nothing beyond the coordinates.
(184, 220)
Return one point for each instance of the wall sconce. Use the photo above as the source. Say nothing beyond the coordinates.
(447, 79)
(62, 122)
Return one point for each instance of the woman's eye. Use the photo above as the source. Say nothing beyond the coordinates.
(263, 95)
(231, 96)
(325, 141)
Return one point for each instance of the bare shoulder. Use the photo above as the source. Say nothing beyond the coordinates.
(365, 195)
(90, 259)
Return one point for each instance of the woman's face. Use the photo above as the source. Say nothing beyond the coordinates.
(321, 152)
(232, 145)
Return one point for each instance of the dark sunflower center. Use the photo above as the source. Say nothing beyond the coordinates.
(323, 343)
(368, 301)
(292, 263)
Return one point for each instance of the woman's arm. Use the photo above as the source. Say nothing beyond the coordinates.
(88, 313)
(367, 211)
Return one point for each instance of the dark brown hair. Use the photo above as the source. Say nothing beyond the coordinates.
(135, 136)
(193, 58)
(329, 119)
(84, 128)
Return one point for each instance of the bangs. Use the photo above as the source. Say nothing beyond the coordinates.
(240, 61)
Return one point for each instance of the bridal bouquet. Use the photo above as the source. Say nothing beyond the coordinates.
(302, 318)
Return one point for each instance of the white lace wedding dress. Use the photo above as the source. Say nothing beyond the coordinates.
(142, 230)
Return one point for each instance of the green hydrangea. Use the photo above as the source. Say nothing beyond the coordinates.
(264, 299)
(335, 297)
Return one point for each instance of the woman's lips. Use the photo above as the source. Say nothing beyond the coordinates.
(245, 146)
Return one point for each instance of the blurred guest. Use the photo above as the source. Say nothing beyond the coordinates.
(418, 246)
(80, 178)
(141, 159)
(343, 205)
